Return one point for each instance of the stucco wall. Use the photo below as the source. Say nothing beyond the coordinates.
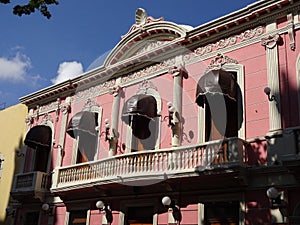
(12, 133)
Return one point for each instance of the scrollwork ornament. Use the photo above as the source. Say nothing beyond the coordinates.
(29, 120)
(271, 41)
(47, 118)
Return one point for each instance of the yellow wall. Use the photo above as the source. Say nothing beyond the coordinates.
(13, 129)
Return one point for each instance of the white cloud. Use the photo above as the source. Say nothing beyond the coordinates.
(67, 70)
(14, 69)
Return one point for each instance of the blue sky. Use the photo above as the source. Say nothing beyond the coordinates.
(36, 52)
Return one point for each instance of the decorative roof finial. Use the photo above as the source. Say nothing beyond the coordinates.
(140, 17)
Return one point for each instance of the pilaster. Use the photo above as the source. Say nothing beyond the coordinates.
(271, 45)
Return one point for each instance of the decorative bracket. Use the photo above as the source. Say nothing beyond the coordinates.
(290, 26)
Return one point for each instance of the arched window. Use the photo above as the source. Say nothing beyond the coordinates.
(140, 113)
(220, 92)
(39, 142)
(82, 127)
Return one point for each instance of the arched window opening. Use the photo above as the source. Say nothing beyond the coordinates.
(220, 95)
(39, 140)
(140, 113)
(82, 127)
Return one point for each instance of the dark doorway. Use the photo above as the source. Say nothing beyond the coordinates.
(140, 215)
(221, 213)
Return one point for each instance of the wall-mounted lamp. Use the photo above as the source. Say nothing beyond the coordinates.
(47, 209)
(275, 198)
(278, 204)
(108, 214)
(106, 132)
(267, 91)
(170, 204)
(172, 116)
(9, 211)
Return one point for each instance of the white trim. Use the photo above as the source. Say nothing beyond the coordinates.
(273, 82)
(49, 124)
(200, 214)
(239, 69)
(298, 83)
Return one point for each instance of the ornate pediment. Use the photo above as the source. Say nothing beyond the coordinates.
(144, 37)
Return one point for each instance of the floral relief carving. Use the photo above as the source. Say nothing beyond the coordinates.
(93, 91)
(148, 70)
(47, 118)
(224, 43)
(89, 105)
(204, 50)
(220, 60)
(150, 46)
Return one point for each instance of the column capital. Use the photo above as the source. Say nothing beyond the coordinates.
(271, 41)
(115, 90)
(177, 71)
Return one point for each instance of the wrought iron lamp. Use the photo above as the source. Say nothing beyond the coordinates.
(170, 204)
(267, 91)
(105, 207)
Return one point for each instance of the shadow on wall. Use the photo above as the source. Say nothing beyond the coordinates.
(286, 143)
(19, 156)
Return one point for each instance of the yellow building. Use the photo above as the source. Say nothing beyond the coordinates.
(13, 129)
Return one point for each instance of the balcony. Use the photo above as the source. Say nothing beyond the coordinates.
(152, 166)
(31, 185)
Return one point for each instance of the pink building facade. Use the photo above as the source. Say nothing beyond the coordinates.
(180, 125)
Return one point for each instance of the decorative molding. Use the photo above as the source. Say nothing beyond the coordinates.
(89, 104)
(58, 107)
(93, 91)
(178, 70)
(224, 43)
(66, 109)
(47, 118)
(219, 61)
(150, 46)
(29, 120)
(145, 85)
(271, 41)
(141, 19)
(148, 70)
(291, 33)
(37, 114)
(115, 90)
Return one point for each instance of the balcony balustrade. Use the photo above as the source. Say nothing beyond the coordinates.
(34, 184)
(152, 164)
